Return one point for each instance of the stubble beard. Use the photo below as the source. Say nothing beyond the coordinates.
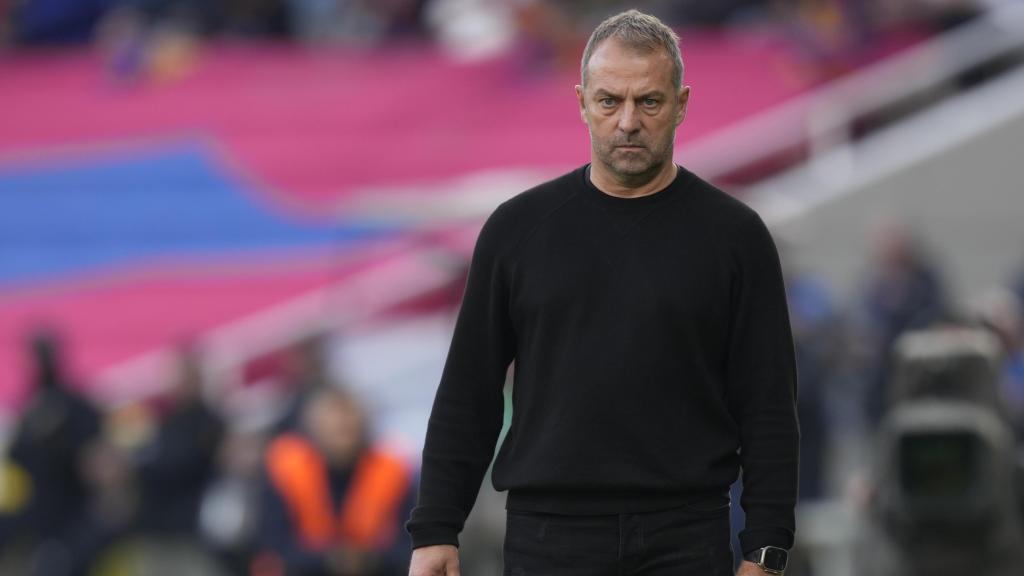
(633, 169)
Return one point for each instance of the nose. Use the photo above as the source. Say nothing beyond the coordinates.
(629, 121)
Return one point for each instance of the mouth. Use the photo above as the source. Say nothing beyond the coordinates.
(630, 147)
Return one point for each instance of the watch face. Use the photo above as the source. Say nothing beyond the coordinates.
(775, 558)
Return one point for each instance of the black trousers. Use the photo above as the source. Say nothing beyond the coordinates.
(686, 541)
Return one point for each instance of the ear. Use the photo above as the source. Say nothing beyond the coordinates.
(684, 98)
(582, 102)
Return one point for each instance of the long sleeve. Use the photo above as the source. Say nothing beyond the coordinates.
(762, 384)
(467, 412)
(652, 345)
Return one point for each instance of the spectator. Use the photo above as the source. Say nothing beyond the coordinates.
(111, 514)
(333, 504)
(257, 18)
(174, 470)
(814, 322)
(49, 443)
(6, 17)
(1018, 285)
(905, 291)
(57, 21)
(202, 17)
(306, 371)
(937, 15)
(1001, 311)
(693, 13)
(356, 20)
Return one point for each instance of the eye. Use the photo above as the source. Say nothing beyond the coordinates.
(650, 102)
(607, 102)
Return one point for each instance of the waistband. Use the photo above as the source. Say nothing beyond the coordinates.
(595, 502)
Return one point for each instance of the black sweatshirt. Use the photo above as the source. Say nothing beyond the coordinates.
(653, 359)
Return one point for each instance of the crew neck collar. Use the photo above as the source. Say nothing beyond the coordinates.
(661, 195)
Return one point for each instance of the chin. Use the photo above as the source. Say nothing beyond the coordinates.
(635, 168)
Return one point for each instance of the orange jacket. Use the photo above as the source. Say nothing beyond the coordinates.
(367, 518)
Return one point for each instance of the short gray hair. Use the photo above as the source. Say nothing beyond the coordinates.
(638, 31)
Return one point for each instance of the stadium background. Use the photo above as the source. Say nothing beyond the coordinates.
(243, 176)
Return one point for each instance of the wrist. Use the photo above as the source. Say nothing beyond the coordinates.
(769, 559)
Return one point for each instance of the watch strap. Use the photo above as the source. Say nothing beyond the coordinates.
(758, 557)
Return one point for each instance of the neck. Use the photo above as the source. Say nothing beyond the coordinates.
(632, 186)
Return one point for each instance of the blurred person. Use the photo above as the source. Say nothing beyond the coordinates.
(49, 445)
(57, 21)
(833, 36)
(549, 34)
(333, 502)
(206, 18)
(937, 15)
(816, 335)
(646, 314)
(156, 493)
(229, 512)
(199, 17)
(356, 20)
(142, 46)
(905, 291)
(691, 13)
(403, 18)
(1000, 310)
(109, 518)
(306, 371)
(257, 18)
(325, 20)
(6, 22)
(174, 469)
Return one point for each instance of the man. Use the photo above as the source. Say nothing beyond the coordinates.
(333, 502)
(646, 314)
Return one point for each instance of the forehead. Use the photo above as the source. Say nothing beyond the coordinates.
(616, 66)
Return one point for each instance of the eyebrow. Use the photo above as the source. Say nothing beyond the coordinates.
(601, 93)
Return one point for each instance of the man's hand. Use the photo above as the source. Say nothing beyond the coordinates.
(440, 560)
(748, 568)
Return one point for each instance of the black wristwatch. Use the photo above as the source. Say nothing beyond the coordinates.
(770, 559)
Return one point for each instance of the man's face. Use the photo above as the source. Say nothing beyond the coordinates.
(632, 108)
(336, 426)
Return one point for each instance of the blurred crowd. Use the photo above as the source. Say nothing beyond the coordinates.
(845, 352)
(833, 35)
(312, 490)
(171, 484)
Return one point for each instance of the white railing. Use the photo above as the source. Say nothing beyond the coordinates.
(393, 278)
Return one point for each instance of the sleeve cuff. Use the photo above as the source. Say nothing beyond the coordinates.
(757, 538)
(432, 525)
(432, 535)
